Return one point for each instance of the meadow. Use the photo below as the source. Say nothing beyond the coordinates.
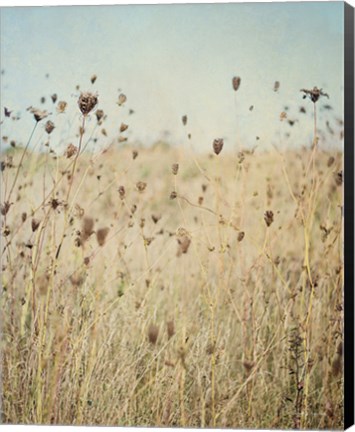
(163, 287)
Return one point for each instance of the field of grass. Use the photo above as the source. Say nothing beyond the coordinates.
(160, 287)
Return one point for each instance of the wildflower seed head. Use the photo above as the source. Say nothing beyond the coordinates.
(269, 217)
(175, 168)
(38, 114)
(314, 94)
(153, 333)
(134, 154)
(35, 224)
(184, 120)
(122, 192)
(123, 127)
(236, 83)
(218, 145)
(121, 99)
(93, 79)
(49, 127)
(101, 235)
(87, 102)
(99, 115)
(54, 97)
(71, 151)
(276, 86)
(141, 186)
(61, 107)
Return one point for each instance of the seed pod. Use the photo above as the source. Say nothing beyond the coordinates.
(218, 145)
(236, 83)
(123, 127)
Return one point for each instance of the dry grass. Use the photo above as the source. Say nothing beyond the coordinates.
(141, 292)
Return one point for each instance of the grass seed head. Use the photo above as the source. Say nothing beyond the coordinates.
(35, 224)
(54, 97)
(184, 120)
(141, 186)
(99, 115)
(123, 127)
(122, 192)
(134, 154)
(170, 327)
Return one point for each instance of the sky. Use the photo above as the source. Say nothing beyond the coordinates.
(175, 60)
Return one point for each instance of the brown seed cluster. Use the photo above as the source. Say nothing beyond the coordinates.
(49, 127)
(236, 83)
(87, 102)
(218, 145)
(175, 168)
(269, 217)
(71, 151)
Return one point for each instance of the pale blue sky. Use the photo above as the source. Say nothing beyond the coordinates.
(172, 60)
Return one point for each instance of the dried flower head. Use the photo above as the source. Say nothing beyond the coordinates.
(339, 178)
(241, 235)
(122, 192)
(184, 241)
(87, 102)
(156, 218)
(5, 208)
(141, 186)
(121, 99)
(314, 94)
(236, 83)
(101, 235)
(218, 145)
(35, 224)
(38, 114)
(134, 154)
(49, 127)
(276, 86)
(87, 228)
(269, 217)
(153, 333)
(54, 97)
(283, 116)
(61, 107)
(122, 139)
(93, 79)
(184, 120)
(173, 195)
(123, 127)
(175, 168)
(99, 114)
(71, 151)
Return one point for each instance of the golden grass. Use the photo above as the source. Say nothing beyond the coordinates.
(218, 305)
